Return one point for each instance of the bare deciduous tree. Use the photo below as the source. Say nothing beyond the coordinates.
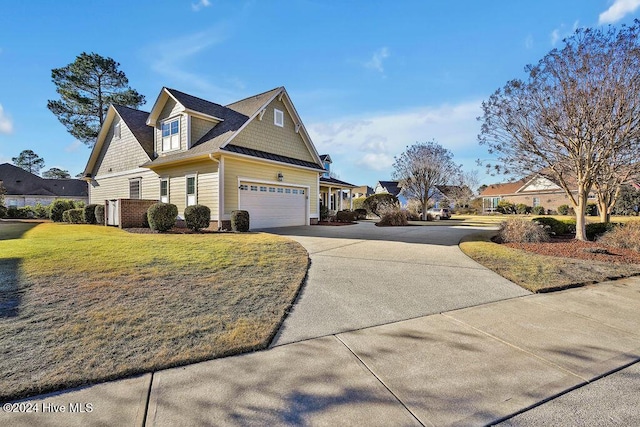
(421, 168)
(578, 110)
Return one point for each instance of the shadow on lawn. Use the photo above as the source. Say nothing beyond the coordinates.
(9, 295)
(10, 230)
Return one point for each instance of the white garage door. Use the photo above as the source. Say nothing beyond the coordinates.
(273, 206)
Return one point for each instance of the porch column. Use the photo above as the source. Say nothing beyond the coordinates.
(350, 199)
(329, 199)
(340, 195)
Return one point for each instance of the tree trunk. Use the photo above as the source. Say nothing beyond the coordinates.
(603, 207)
(581, 233)
(424, 209)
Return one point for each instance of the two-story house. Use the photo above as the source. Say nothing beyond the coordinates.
(254, 154)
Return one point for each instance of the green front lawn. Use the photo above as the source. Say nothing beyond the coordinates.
(81, 304)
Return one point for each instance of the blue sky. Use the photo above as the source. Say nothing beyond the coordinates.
(368, 78)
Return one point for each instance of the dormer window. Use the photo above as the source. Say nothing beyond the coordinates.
(171, 135)
(327, 167)
(278, 117)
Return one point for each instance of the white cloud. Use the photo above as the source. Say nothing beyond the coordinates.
(618, 10)
(175, 59)
(562, 32)
(73, 147)
(199, 5)
(368, 143)
(528, 42)
(376, 61)
(6, 124)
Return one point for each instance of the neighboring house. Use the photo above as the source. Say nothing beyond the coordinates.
(254, 154)
(391, 187)
(26, 189)
(333, 191)
(362, 191)
(535, 190)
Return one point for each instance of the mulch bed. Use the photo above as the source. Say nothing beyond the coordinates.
(568, 247)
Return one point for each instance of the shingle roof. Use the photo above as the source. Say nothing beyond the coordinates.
(504, 188)
(249, 106)
(136, 121)
(198, 104)
(391, 186)
(335, 181)
(269, 156)
(18, 181)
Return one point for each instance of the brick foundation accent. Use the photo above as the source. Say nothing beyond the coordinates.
(133, 212)
(313, 221)
(226, 224)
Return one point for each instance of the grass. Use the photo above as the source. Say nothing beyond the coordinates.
(81, 304)
(540, 273)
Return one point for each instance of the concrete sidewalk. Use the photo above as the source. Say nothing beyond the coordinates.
(472, 366)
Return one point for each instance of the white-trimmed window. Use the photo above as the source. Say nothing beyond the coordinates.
(134, 188)
(536, 201)
(254, 188)
(244, 187)
(192, 190)
(171, 134)
(164, 190)
(278, 117)
(116, 131)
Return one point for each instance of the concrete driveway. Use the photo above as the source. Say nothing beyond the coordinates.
(362, 276)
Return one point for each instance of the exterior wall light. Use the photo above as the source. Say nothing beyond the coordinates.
(280, 176)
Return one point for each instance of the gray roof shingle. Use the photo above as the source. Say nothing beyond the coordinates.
(18, 181)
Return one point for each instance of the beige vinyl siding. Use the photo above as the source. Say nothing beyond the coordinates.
(171, 109)
(118, 155)
(199, 128)
(264, 135)
(235, 167)
(117, 187)
(206, 185)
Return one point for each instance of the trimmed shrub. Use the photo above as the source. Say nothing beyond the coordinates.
(89, 214)
(197, 217)
(324, 213)
(563, 209)
(625, 236)
(393, 217)
(240, 221)
(377, 203)
(65, 216)
(520, 230)
(361, 213)
(357, 203)
(79, 204)
(162, 216)
(555, 227)
(522, 209)
(538, 210)
(592, 209)
(99, 214)
(15, 212)
(346, 216)
(41, 211)
(505, 207)
(3, 211)
(75, 216)
(596, 229)
(58, 207)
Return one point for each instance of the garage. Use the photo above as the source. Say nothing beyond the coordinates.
(273, 205)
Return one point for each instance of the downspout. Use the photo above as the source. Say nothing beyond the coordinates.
(220, 186)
